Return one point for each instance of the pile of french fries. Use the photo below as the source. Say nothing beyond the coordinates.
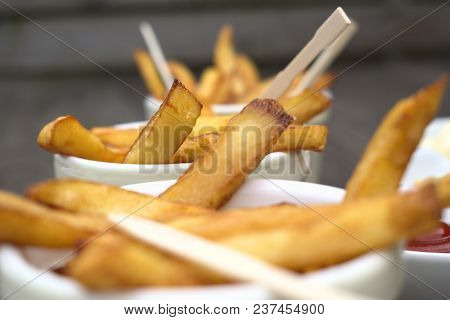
(72, 213)
(233, 77)
(179, 133)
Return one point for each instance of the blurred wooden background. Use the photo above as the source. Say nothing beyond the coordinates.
(44, 75)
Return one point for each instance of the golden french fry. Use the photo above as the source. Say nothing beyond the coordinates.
(79, 196)
(149, 73)
(181, 72)
(208, 124)
(210, 88)
(65, 135)
(124, 138)
(167, 129)
(117, 138)
(247, 69)
(294, 138)
(388, 152)
(442, 186)
(193, 147)
(294, 237)
(224, 53)
(306, 105)
(24, 222)
(214, 177)
(114, 261)
(237, 87)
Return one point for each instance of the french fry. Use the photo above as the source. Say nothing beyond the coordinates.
(237, 87)
(181, 72)
(132, 264)
(442, 186)
(167, 129)
(117, 138)
(294, 237)
(23, 222)
(294, 138)
(124, 138)
(193, 147)
(65, 135)
(211, 88)
(388, 152)
(248, 71)
(213, 178)
(79, 196)
(149, 73)
(306, 105)
(208, 124)
(224, 53)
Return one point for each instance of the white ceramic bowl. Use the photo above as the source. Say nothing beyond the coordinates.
(151, 106)
(429, 276)
(369, 274)
(276, 165)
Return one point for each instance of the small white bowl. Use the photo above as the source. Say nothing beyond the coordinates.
(151, 106)
(276, 165)
(369, 274)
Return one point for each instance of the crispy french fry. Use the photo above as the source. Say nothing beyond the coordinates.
(149, 73)
(214, 177)
(65, 135)
(237, 87)
(210, 88)
(224, 53)
(124, 138)
(294, 138)
(247, 69)
(181, 72)
(286, 235)
(442, 186)
(388, 152)
(295, 237)
(167, 129)
(193, 147)
(114, 261)
(207, 124)
(79, 196)
(117, 138)
(24, 222)
(306, 105)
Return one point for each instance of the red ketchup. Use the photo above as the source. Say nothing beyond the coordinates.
(436, 241)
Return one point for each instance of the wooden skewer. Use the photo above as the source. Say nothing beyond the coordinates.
(157, 54)
(227, 261)
(328, 32)
(324, 60)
